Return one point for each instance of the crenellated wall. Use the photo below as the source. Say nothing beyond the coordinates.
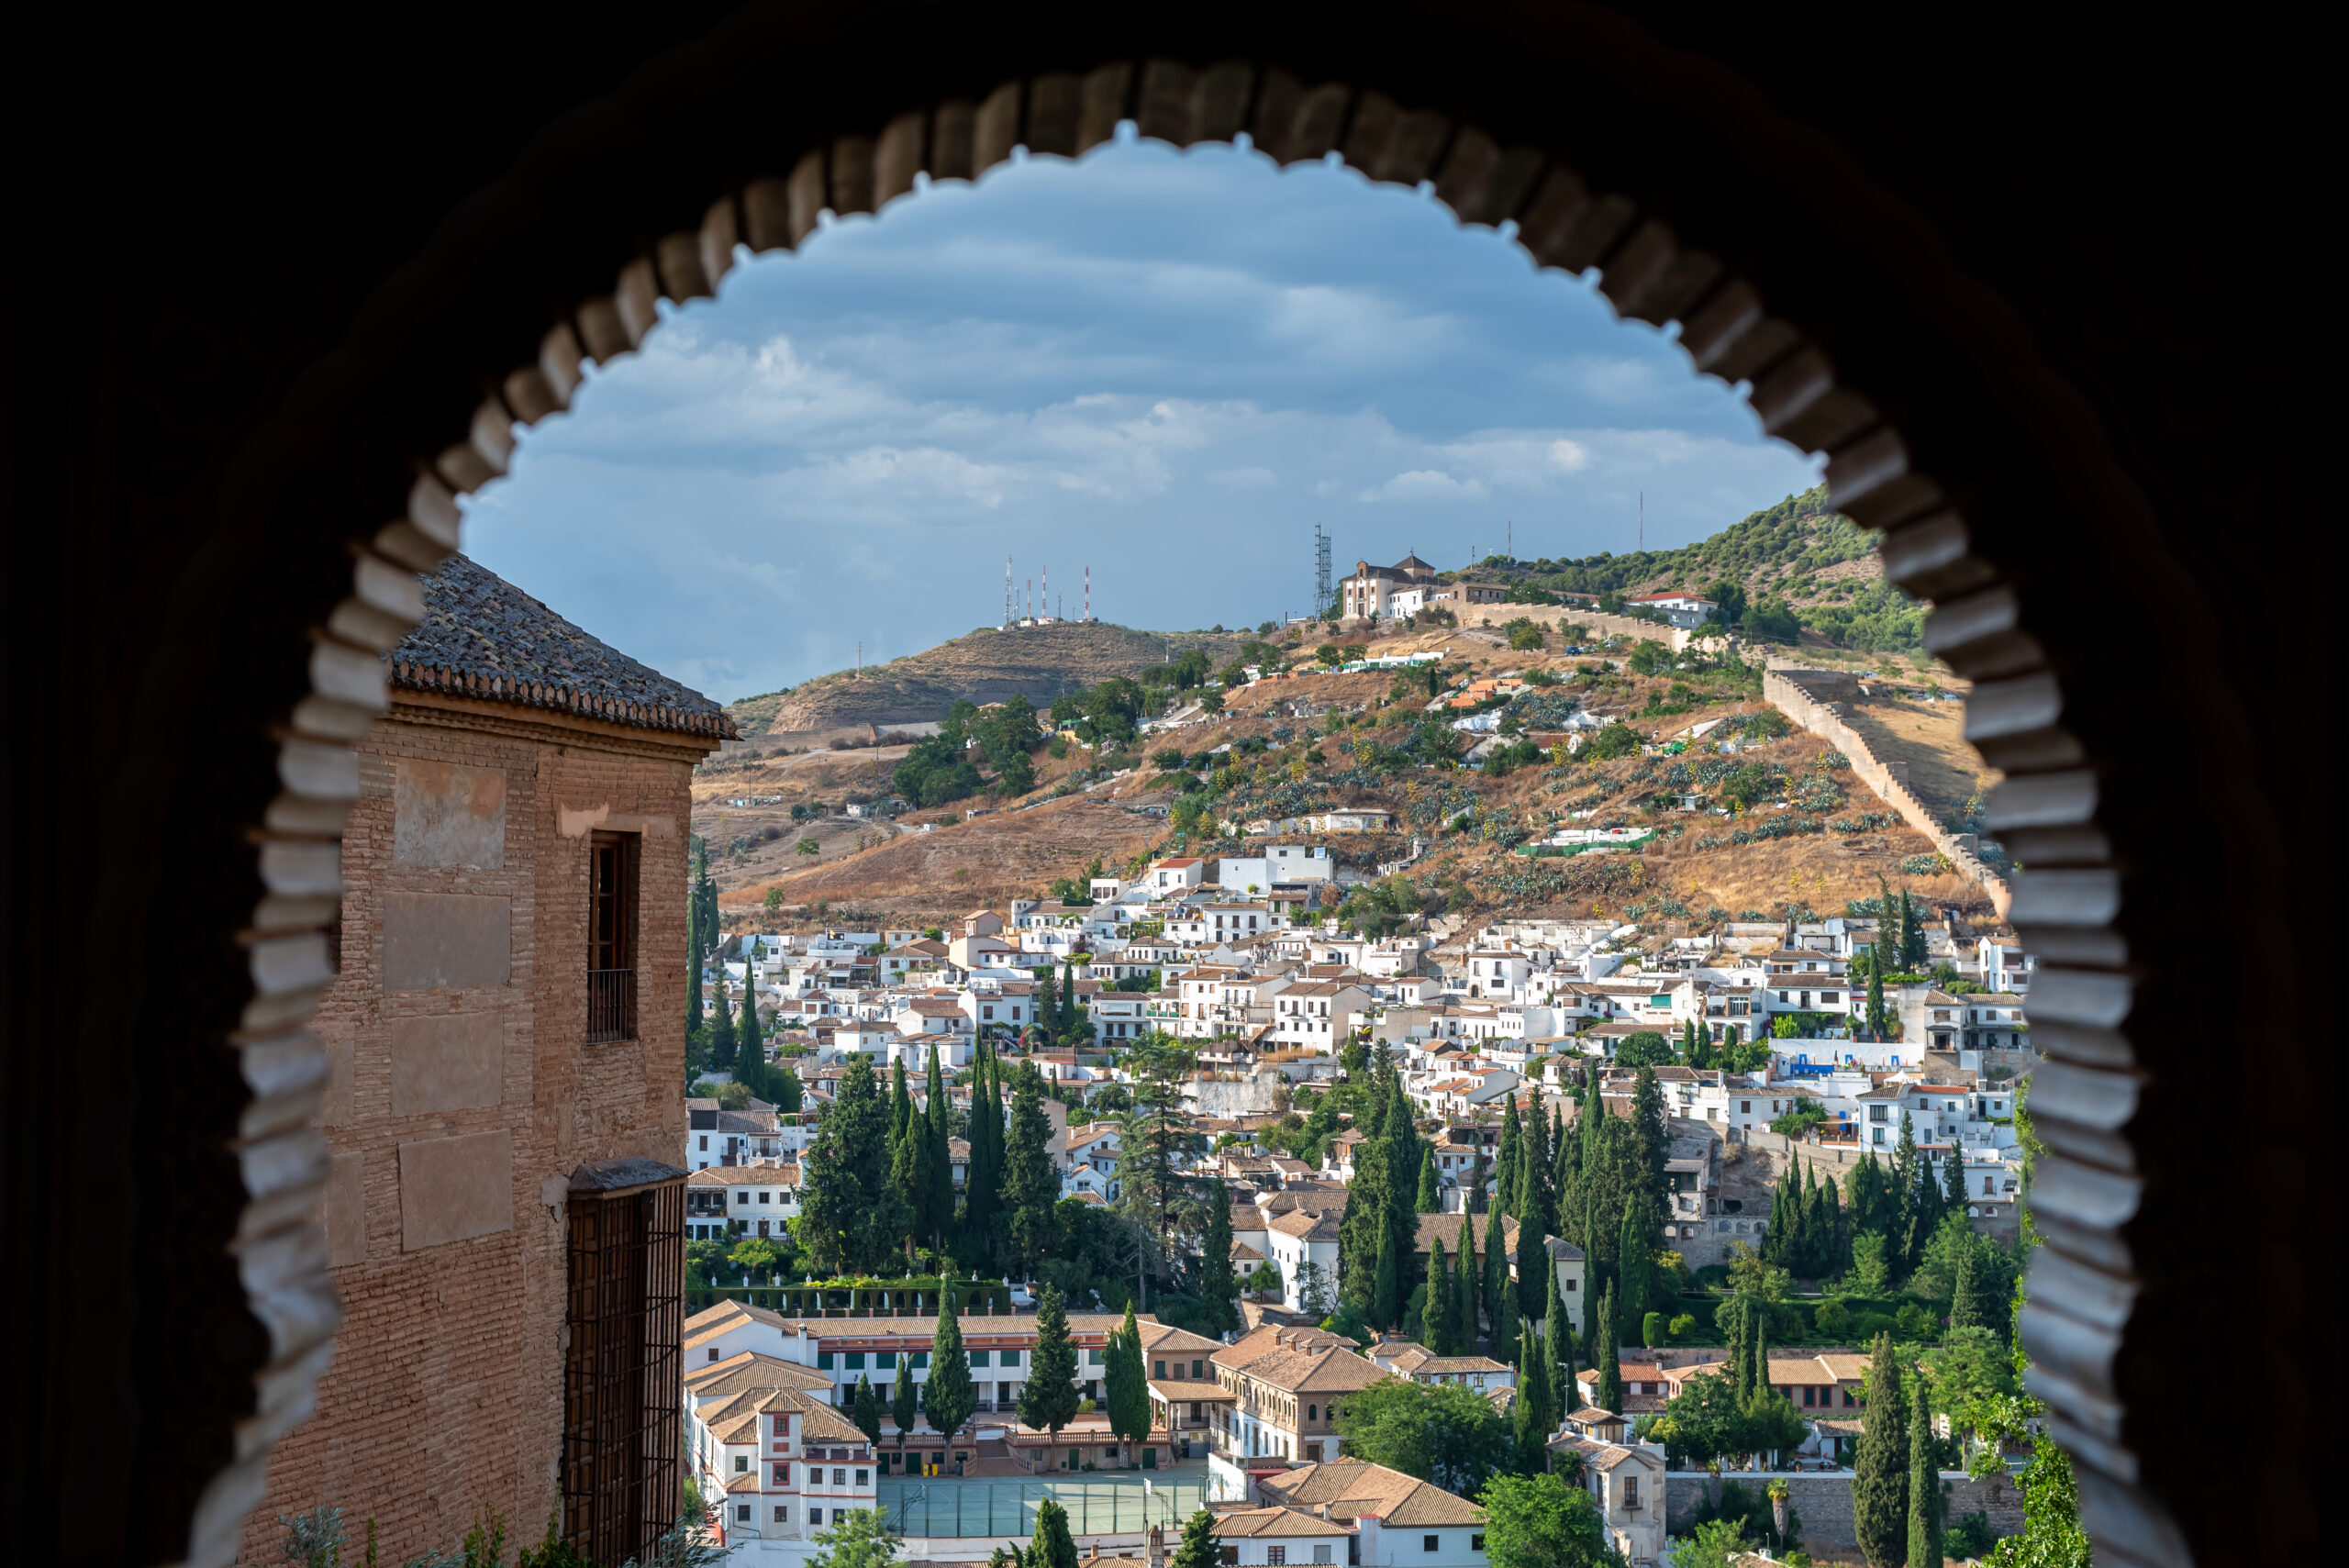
(1791, 689)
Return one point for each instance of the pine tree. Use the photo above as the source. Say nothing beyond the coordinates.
(902, 1403)
(851, 1215)
(1030, 1189)
(1880, 1479)
(1048, 1400)
(1953, 1181)
(1218, 1289)
(790, 1094)
(949, 1397)
(864, 1409)
(1466, 1310)
(1430, 1200)
(1924, 1485)
(1609, 1394)
(1199, 1547)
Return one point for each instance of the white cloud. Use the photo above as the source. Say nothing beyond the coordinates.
(1251, 478)
(1427, 484)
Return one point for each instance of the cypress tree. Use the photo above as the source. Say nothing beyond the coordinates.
(1387, 1300)
(901, 1396)
(1632, 1266)
(900, 1109)
(1511, 1326)
(1592, 1270)
(1609, 1393)
(1558, 1347)
(1430, 1200)
(1465, 1310)
(1218, 1287)
(1879, 1020)
(1510, 1160)
(864, 1409)
(1051, 1546)
(1127, 1386)
(1199, 1547)
(1924, 1485)
(1880, 1478)
(750, 1042)
(1535, 1201)
(721, 1025)
(1404, 1150)
(1953, 1181)
(790, 1096)
(949, 1397)
(1442, 1302)
(1497, 1333)
(1048, 1400)
(941, 1160)
(1047, 1005)
(909, 1169)
(1030, 1187)
(1969, 1305)
(1533, 1401)
(1532, 1257)
(1908, 1195)
(983, 1183)
(1835, 1253)
(692, 967)
(1652, 1143)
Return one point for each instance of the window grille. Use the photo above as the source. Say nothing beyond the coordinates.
(611, 938)
(621, 1368)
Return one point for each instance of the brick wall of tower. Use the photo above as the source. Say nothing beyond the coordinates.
(463, 1094)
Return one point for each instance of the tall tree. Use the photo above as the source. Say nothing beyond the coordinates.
(1219, 1288)
(1880, 1472)
(1606, 1358)
(1913, 1195)
(910, 1167)
(1534, 1195)
(1954, 1180)
(1030, 1187)
(1430, 1198)
(750, 1042)
(1510, 1164)
(1128, 1382)
(1924, 1484)
(949, 1397)
(1557, 1348)
(1386, 1297)
(1047, 1005)
(1199, 1547)
(902, 1401)
(1405, 1151)
(1469, 1288)
(1632, 1267)
(1879, 1020)
(1532, 1415)
(983, 1181)
(721, 1024)
(1440, 1316)
(939, 1203)
(1652, 1143)
(1051, 1546)
(1971, 1305)
(1048, 1400)
(864, 1409)
(851, 1216)
(901, 1107)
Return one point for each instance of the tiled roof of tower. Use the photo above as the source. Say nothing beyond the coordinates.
(481, 636)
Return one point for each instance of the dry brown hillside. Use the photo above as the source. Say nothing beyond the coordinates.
(985, 666)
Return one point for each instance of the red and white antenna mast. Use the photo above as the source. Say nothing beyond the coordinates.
(1088, 592)
(1047, 595)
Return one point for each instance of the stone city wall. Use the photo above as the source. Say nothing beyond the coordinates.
(1791, 689)
(1823, 1499)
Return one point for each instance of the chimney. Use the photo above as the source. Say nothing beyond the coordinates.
(1157, 1554)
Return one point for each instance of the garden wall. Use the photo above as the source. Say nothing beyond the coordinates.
(1785, 686)
(1596, 623)
(1824, 1500)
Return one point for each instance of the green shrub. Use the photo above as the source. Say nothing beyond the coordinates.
(1683, 1326)
(1652, 1329)
(1833, 1319)
(1969, 1537)
(1913, 1322)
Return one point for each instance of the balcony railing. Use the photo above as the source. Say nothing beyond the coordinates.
(611, 1006)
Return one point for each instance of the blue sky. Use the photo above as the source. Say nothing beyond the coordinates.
(1166, 366)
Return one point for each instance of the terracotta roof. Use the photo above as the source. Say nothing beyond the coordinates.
(481, 636)
(748, 1370)
(1277, 1522)
(1354, 1488)
(752, 1175)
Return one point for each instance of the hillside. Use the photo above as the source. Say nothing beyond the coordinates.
(1802, 552)
(983, 666)
(1811, 835)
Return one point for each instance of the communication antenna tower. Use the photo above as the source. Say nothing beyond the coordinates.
(1089, 592)
(1321, 573)
(1007, 593)
(1046, 597)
